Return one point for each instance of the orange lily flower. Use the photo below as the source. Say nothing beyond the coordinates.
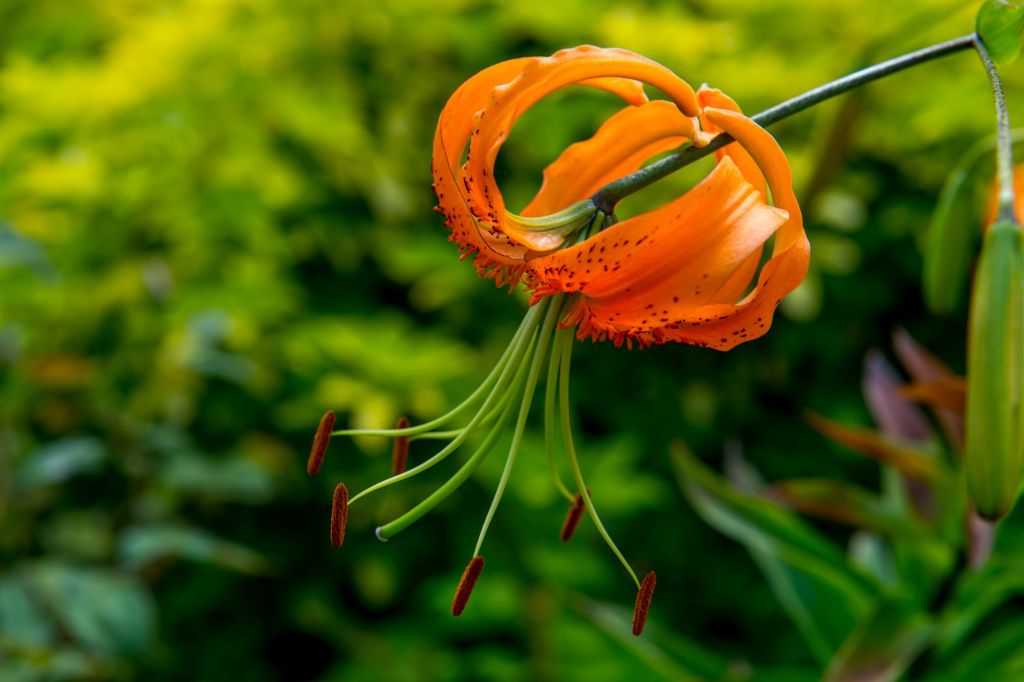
(678, 273)
(690, 271)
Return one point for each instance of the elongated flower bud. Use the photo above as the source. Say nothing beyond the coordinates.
(466, 584)
(993, 454)
(400, 448)
(643, 602)
(320, 442)
(572, 517)
(339, 515)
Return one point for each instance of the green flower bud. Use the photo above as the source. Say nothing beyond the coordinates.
(993, 455)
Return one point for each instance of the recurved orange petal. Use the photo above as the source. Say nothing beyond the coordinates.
(677, 273)
(454, 127)
(715, 98)
(480, 115)
(541, 77)
(648, 279)
(771, 161)
(619, 147)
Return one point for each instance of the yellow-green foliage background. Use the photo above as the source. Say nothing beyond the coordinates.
(215, 224)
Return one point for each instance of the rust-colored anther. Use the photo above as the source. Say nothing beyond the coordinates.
(466, 584)
(339, 515)
(320, 442)
(400, 448)
(643, 603)
(572, 517)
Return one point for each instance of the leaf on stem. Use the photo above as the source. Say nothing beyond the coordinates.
(1000, 23)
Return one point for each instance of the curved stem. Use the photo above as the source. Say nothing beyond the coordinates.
(543, 341)
(1004, 145)
(563, 345)
(608, 196)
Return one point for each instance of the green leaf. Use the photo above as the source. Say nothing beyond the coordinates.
(232, 478)
(883, 646)
(845, 503)
(663, 651)
(999, 24)
(104, 611)
(999, 655)
(60, 461)
(823, 595)
(17, 250)
(22, 618)
(950, 245)
(977, 596)
(143, 545)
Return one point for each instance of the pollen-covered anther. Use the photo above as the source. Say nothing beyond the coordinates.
(572, 517)
(466, 584)
(643, 603)
(320, 442)
(339, 515)
(400, 448)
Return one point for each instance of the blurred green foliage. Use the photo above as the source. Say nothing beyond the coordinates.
(215, 223)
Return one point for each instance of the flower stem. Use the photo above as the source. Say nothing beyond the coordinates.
(608, 196)
(1004, 144)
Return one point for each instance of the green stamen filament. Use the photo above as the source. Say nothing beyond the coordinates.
(543, 340)
(440, 435)
(526, 328)
(509, 373)
(552, 381)
(549, 423)
(563, 344)
(401, 523)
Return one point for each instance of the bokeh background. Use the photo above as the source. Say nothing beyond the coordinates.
(216, 224)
